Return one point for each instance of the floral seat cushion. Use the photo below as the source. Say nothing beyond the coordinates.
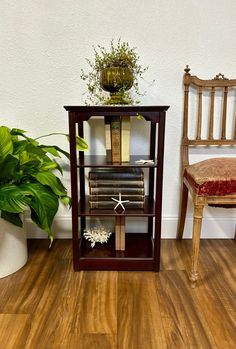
(214, 177)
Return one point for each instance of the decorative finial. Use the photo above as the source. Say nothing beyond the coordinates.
(220, 77)
(187, 69)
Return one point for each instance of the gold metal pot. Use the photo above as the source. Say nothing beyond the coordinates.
(116, 80)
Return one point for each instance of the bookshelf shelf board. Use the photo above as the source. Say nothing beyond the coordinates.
(138, 252)
(101, 161)
(148, 210)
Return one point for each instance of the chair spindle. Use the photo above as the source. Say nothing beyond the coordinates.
(223, 129)
(185, 126)
(234, 135)
(211, 123)
(199, 117)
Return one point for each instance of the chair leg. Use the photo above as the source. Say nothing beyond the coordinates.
(183, 209)
(197, 224)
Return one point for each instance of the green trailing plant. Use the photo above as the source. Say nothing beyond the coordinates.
(28, 179)
(119, 54)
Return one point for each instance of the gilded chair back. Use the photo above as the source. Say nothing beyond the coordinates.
(221, 130)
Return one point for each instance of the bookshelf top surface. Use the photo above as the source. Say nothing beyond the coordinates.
(107, 108)
(83, 113)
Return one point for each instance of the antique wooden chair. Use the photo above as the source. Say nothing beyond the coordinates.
(211, 181)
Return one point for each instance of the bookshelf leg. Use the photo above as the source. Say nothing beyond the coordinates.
(150, 226)
(82, 225)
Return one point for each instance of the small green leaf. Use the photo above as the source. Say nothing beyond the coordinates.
(6, 145)
(81, 144)
(66, 200)
(17, 132)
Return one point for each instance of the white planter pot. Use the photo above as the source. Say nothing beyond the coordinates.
(13, 248)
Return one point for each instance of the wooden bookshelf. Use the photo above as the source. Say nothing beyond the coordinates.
(142, 251)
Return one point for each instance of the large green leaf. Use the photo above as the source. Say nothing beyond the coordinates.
(47, 178)
(44, 206)
(14, 198)
(8, 168)
(13, 218)
(54, 149)
(50, 149)
(19, 146)
(6, 145)
(34, 149)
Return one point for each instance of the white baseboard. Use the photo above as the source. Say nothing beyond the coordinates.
(212, 228)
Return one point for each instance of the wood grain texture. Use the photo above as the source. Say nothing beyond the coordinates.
(48, 305)
(138, 312)
(13, 330)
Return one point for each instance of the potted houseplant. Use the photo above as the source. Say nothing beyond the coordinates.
(117, 71)
(28, 181)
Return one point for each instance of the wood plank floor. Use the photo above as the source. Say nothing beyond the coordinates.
(46, 305)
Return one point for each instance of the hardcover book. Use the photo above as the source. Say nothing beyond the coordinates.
(125, 138)
(116, 196)
(107, 121)
(118, 174)
(116, 190)
(115, 185)
(115, 139)
(111, 204)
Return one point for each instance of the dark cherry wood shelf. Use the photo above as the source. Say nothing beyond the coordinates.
(148, 210)
(101, 161)
(142, 251)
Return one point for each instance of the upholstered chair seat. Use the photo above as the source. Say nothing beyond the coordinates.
(212, 177)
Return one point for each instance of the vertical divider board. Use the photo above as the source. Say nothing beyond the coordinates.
(120, 233)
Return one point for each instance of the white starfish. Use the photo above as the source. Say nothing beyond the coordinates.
(120, 202)
(142, 161)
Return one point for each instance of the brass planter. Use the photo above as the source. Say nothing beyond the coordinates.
(116, 80)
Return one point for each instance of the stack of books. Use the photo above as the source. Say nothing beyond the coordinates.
(106, 184)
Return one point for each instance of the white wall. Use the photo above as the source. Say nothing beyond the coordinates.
(43, 47)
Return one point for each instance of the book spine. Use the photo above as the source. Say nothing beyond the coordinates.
(125, 138)
(116, 196)
(115, 139)
(107, 128)
(116, 190)
(112, 204)
(116, 185)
